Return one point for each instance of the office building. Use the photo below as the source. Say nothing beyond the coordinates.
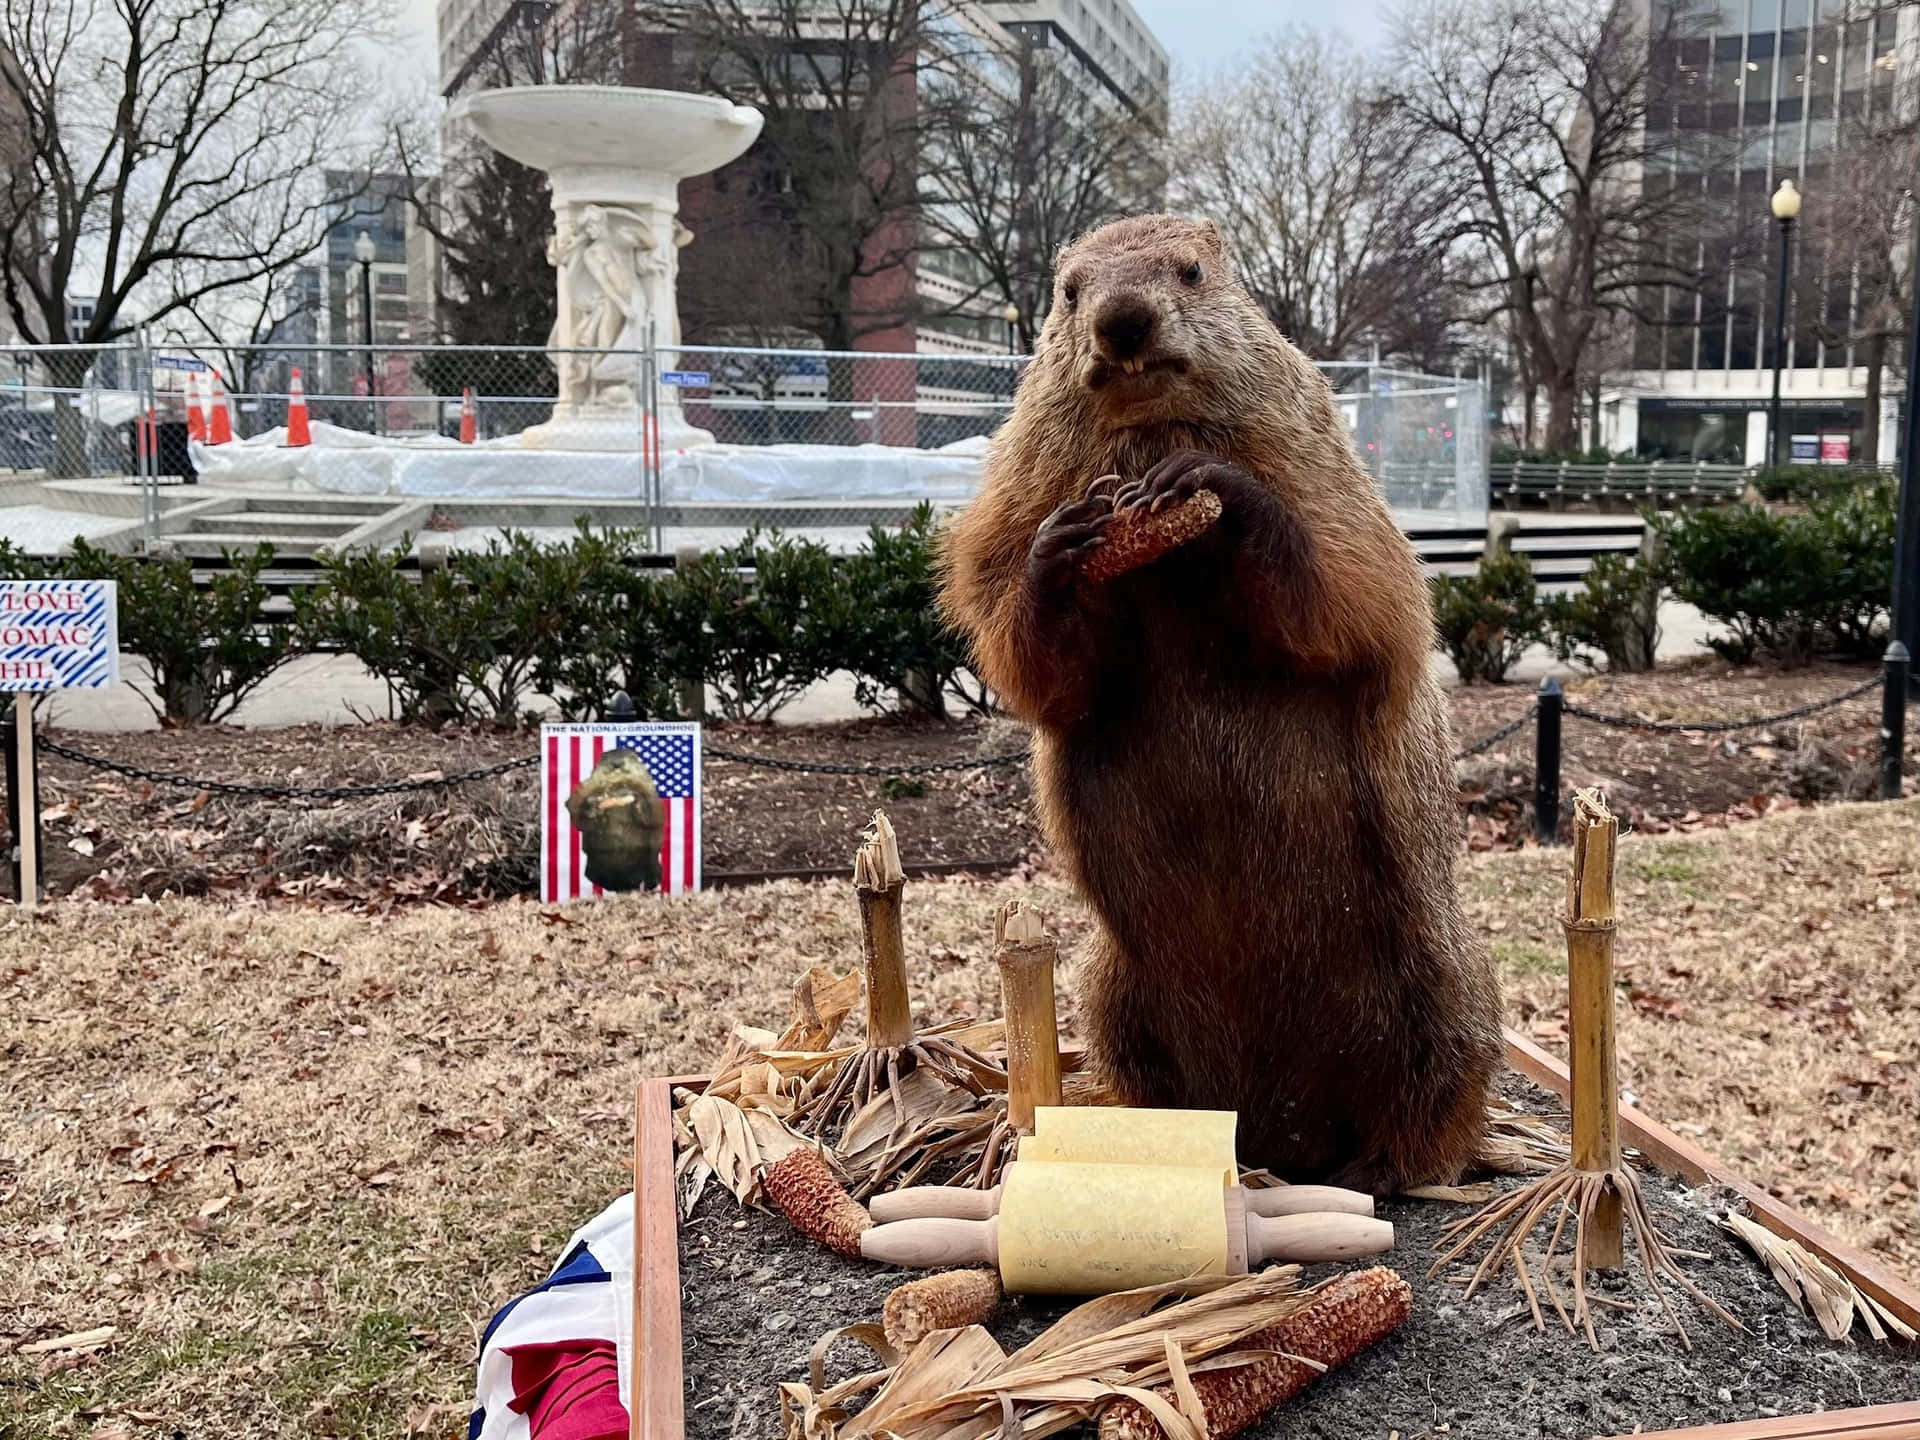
(1769, 90)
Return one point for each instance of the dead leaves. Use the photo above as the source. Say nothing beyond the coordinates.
(1815, 1287)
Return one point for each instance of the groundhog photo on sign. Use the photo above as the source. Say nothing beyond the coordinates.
(621, 821)
(1239, 753)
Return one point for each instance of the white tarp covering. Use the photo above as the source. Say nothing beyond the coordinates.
(349, 462)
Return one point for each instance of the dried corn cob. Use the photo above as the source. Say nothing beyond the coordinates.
(945, 1301)
(806, 1192)
(1134, 537)
(1347, 1315)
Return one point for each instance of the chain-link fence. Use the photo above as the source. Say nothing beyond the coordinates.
(672, 426)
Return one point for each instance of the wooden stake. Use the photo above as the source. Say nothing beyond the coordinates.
(29, 803)
(1027, 955)
(879, 881)
(1595, 1087)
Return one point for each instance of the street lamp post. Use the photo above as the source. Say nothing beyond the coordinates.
(1010, 313)
(1786, 209)
(363, 252)
(1906, 545)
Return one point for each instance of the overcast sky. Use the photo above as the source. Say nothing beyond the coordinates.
(1201, 38)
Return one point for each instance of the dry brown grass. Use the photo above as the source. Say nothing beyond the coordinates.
(297, 1158)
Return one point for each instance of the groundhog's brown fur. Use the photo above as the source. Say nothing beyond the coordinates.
(1239, 752)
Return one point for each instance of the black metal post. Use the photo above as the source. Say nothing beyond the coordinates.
(1906, 548)
(1779, 347)
(13, 795)
(620, 709)
(1546, 762)
(366, 333)
(1893, 720)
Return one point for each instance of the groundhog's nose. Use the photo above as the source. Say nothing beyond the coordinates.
(1124, 327)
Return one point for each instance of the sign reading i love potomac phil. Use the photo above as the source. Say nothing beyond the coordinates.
(59, 635)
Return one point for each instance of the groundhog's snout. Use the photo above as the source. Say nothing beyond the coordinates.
(1125, 325)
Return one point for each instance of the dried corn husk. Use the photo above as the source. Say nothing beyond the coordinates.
(1815, 1286)
(1136, 537)
(1348, 1314)
(959, 1385)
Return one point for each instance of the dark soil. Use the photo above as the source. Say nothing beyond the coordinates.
(757, 1296)
(117, 837)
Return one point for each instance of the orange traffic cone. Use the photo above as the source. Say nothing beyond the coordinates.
(196, 417)
(468, 421)
(220, 422)
(298, 431)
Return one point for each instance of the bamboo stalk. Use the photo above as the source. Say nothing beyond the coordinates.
(1027, 955)
(1590, 925)
(879, 882)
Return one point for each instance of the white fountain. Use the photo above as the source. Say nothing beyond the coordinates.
(616, 156)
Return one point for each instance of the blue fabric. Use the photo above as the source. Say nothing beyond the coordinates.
(579, 1268)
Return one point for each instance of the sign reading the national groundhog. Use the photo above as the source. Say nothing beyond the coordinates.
(619, 810)
(58, 635)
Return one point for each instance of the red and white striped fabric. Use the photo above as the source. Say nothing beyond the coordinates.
(568, 753)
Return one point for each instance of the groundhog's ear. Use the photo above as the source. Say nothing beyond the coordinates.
(1210, 237)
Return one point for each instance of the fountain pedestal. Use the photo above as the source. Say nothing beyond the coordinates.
(616, 156)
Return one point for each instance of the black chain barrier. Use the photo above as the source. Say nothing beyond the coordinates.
(271, 791)
(1718, 727)
(1487, 742)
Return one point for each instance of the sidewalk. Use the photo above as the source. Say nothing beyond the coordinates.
(335, 690)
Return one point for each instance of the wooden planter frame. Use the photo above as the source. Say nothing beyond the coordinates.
(657, 1405)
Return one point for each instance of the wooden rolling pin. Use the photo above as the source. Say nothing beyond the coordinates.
(1078, 1229)
(957, 1202)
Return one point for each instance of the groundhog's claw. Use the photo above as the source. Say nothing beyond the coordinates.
(1065, 539)
(1178, 476)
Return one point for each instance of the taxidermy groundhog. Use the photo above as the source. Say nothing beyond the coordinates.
(621, 821)
(1239, 753)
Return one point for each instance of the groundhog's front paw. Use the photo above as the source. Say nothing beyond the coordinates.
(1064, 541)
(1178, 476)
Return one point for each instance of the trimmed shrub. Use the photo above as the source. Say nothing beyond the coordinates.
(1485, 621)
(1808, 483)
(901, 645)
(1615, 615)
(205, 650)
(758, 621)
(612, 636)
(1787, 584)
(462, 642)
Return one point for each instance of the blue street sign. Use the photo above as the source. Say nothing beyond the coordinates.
(686, 379)
(58, 635)
(178, 362)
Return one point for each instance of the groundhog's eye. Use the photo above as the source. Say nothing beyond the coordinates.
(1191, 275)
(1071, 294)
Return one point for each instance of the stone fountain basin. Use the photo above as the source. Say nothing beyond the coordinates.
(664, 132)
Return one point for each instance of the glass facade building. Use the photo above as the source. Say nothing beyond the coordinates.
(1751, 92)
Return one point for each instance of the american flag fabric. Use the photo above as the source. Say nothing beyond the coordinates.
(671, 752)
(587, 1298)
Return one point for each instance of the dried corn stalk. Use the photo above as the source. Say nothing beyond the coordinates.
(947, 1301)
(959, 1384)
(1136, 537)
(1517, 1143)
(1347, 1315)
(803, 1187)
(1816, 1287)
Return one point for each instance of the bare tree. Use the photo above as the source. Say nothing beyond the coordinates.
(175, 148)
(1532, 121)
(839, 84)
(1312, 184)
(1854, 282)
(1024, 151)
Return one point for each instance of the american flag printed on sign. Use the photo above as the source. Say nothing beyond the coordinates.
(568, 753)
